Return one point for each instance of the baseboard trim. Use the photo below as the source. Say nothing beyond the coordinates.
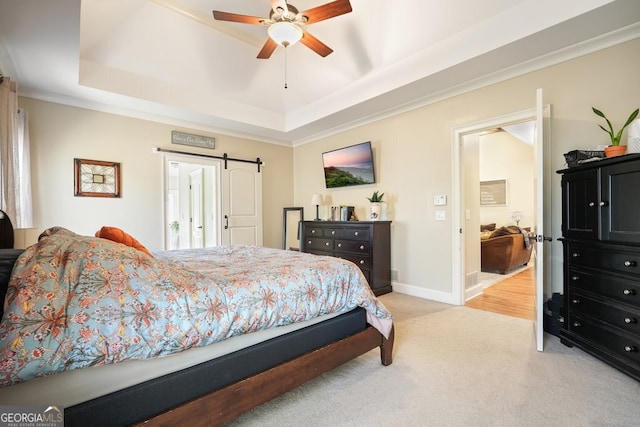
(430, 294)
(473, 291)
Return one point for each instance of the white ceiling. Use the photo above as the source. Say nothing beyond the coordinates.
(169, 60)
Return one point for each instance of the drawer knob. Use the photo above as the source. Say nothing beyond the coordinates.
(333, 232)
(575, 301)
(576, 255)
(630, 320)
(362, 247)
(629, 292)
(630, 348)
(355, 233)
(575, 278)
(361, 262)
(577, 324)
(309, 242)
(313, 231)
(326, 244)
(603, 203)
(339, 245)
(630, 263)
(591, 204)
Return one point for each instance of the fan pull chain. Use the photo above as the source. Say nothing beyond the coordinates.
(285, 67)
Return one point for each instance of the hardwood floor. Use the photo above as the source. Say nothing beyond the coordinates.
(514, 296)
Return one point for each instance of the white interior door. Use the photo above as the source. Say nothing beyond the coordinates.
(242, 204)
(196, 196)
(541, 141)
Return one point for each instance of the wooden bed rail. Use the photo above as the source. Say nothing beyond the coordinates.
(228, 403)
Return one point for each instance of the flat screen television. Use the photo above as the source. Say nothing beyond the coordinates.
(349, 166)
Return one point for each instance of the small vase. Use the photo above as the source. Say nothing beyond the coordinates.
(615, 150)
(374, 211)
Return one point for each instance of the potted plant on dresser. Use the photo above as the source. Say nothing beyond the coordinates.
(615, 149)
(375, 209)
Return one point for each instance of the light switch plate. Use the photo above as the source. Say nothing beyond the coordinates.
(440, 200)
(440, 216)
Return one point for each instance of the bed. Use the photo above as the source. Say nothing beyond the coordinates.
(179, 353)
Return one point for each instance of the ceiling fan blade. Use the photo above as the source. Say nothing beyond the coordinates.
(326, 11)
(267, 49)
(314, 44)
(282, 4)
(234, 17)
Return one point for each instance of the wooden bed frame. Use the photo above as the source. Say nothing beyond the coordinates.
(228, 403)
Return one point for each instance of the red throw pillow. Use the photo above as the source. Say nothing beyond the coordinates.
(117, 235)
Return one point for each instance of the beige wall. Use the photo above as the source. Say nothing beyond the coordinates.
(60, 133)
(413, 154)
(502, 156)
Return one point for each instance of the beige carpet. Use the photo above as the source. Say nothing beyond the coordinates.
(455, 366)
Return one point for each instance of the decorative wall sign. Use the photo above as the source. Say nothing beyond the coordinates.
(493, 193)
(95, 178)
(192, 140)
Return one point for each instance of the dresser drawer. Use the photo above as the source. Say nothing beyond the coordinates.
(313, 231)
(356, 234)
(623, 290)
(332, 232)
(605, 338)
(319, 244)
(623, 261)
(619, 316)
(361, 261)
(355, 246)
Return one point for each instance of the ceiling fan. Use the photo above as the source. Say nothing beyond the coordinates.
(287, 25)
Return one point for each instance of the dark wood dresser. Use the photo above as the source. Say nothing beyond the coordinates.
(601, 240)
(365, 243)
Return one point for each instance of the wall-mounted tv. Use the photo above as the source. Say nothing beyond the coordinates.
(348, 166)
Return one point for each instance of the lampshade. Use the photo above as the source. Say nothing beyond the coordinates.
(285, 33)
(517, 216)
(316, 199)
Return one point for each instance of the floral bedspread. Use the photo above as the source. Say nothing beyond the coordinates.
(77, 301)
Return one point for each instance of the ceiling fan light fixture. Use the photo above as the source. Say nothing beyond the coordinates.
(285, 33)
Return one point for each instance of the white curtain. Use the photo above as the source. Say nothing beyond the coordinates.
(15, 159)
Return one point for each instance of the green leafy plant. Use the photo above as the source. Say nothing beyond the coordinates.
(375, 197)
(175, 226)
(615, 137)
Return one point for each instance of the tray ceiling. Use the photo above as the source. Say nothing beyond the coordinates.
(170, 60)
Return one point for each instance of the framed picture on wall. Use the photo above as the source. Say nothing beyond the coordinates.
(493, 193)
(96, 178)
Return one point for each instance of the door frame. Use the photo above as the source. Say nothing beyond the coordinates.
(458, 228)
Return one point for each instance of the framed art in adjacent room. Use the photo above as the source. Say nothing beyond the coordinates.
(493, 193)
(96, 178)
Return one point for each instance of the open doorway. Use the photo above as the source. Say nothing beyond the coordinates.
(466, 224)
(466, 205)
(192, 202)
(500, 162)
